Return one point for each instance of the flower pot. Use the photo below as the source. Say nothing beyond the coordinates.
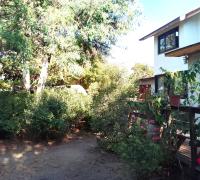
(175, 100)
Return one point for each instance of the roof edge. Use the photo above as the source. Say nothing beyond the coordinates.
(180, 51)
(171, 23)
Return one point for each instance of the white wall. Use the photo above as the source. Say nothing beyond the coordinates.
(169, 63)
(189, 33)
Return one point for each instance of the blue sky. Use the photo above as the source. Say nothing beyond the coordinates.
(164, 10)
(155, 14)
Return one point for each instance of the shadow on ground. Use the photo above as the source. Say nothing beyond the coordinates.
(76, 158)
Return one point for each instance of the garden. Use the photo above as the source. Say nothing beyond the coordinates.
(47, 47)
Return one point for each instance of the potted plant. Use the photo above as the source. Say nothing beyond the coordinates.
(175, 100)
(175, 85)
(155, 106)
(175, 96)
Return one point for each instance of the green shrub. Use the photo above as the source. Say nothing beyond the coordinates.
(109, 104)
(109, 109)
(49, 116)
(110, 120)
(55, 113)
(12, 108)
(143, 155)
(46, 118)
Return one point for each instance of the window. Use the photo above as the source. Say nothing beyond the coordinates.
(168, 41)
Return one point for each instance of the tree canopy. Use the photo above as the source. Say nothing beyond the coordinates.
(141, 71)
(59, 37)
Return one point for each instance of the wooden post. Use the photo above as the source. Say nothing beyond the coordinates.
(193, 146)
(167, 116)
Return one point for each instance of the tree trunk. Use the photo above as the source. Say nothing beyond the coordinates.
(26, 77)
(43, 75)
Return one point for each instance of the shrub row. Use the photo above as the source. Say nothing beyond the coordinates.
(49, 116)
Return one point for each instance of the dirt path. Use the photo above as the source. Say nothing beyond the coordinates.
(78, 159)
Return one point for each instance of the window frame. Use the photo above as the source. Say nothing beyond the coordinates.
(164, 36)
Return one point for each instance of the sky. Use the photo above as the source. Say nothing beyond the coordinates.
(155, 13)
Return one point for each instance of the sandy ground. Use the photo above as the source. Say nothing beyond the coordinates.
(77, 159)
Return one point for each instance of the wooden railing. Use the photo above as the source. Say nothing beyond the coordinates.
(194, 143)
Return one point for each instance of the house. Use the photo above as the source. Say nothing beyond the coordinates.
(174, 43)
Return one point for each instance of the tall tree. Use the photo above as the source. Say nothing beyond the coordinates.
(141, 71)
(16, 26)
(61, 31)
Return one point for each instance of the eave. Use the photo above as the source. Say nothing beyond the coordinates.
(185, 51)
(171, 24)
(146, 79)
(163, 28)
(151, 78)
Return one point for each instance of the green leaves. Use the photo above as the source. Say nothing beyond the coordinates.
(17, 23)
(50, 116)
(182, 81)
(74, 33)
(141, 71)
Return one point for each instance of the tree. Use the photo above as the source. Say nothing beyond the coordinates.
(68, 32)
(16, 26)
(141, 71)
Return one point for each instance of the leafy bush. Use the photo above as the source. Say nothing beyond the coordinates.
(12, 108)
(143, 155)
(110, 121)
(109, 107)
(55, 113)
(49, 116)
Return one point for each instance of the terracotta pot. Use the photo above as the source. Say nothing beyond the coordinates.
(175, 100)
